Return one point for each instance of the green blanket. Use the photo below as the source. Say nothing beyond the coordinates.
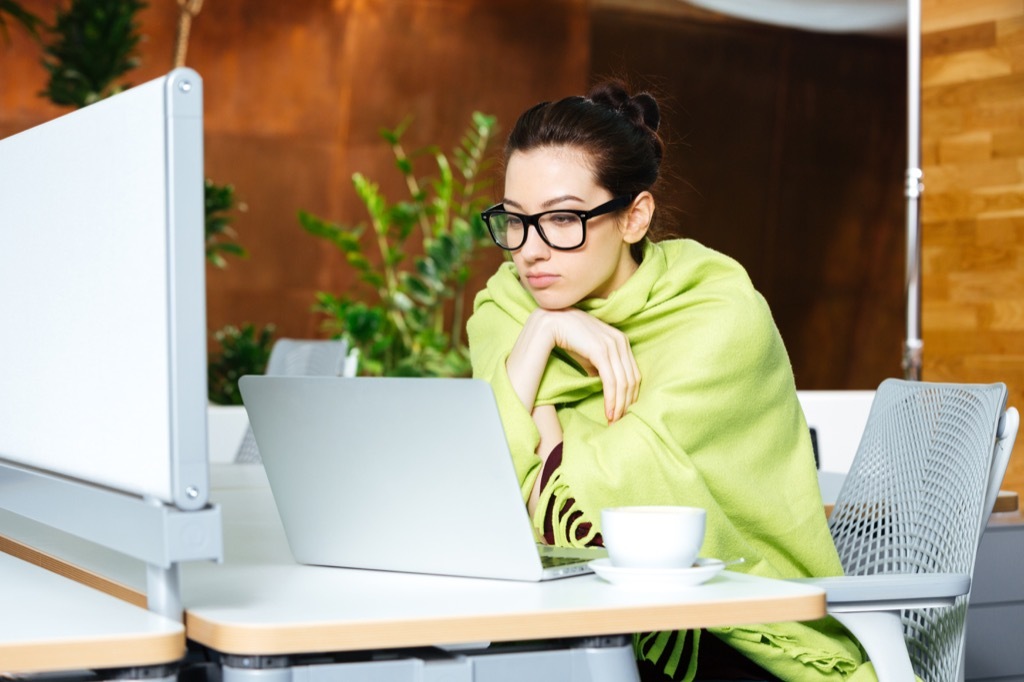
(717, 425)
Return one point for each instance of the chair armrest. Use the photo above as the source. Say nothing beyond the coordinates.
(891, 591)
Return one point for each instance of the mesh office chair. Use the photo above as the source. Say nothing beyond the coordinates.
(297, 357)
(909, 518)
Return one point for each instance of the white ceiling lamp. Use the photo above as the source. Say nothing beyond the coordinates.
(876, 17)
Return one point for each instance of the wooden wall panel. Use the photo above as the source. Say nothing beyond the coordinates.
(973, 204)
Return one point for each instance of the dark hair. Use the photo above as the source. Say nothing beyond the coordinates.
(616, 130)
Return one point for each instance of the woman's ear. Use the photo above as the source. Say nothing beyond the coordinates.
(638, 219)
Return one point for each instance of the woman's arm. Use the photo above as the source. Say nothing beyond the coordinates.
(600, 348)
(529, 357)
(546, 419)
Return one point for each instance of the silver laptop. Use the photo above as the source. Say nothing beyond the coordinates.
(398, 474)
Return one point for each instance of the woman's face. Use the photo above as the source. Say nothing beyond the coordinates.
(549, 178)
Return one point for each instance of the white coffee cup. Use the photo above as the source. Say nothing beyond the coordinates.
(653, 536)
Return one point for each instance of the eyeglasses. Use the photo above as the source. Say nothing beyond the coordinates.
(563, 229)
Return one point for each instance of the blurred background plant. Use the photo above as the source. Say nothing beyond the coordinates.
(412, 324)
(241, 351)
(236, 351)
(219, 204)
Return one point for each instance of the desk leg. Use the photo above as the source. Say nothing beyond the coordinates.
(399, 666)
(163, 591)
(586, 659)
(255, 669)
(155, 673)
(610, 659)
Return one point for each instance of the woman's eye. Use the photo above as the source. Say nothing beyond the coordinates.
(563, 219)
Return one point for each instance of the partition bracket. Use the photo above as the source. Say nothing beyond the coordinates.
(154, 532)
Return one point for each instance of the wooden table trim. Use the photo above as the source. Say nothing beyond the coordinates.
(91, 653)
(68, 570)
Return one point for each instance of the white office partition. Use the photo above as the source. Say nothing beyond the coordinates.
(102, 351)
(103, 339)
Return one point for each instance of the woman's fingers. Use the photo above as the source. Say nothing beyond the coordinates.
(627, 375)
(613, 377)
(623, 377)
(636, 375)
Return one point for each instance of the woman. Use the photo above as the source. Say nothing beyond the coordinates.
(629, 371)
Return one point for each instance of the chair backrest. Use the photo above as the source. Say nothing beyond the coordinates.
(297, 357)
(917, 497)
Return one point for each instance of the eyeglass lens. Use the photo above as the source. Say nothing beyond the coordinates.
(560, 230)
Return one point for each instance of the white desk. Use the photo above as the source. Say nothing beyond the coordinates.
(51, 623)
(259, 602)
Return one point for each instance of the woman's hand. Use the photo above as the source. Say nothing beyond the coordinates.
(600, 349)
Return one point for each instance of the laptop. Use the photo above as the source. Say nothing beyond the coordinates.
(398, 474)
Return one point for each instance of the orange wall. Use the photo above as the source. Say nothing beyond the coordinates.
(973, 203)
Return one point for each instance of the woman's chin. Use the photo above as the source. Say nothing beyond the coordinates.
(549, 302)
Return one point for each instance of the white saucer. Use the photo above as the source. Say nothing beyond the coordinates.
(701, 571)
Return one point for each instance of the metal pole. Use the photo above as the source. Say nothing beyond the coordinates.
(913, 345)
(163, 584)
(163, 591)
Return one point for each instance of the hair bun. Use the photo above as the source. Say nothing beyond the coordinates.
(649, 108)
(641, 109)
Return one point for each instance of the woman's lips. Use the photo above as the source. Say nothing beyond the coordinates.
(541, 280)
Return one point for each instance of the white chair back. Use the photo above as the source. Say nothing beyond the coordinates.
(917, 496)
(297, 357)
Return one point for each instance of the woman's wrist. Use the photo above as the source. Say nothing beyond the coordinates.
(525, 364)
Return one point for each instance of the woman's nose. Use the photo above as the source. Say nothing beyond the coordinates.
(534, 248)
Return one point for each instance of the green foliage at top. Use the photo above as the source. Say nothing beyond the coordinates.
(219, 202)
(411, 324)
(17, 13)
(93, 47)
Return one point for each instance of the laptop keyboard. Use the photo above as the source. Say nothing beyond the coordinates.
(548, 561)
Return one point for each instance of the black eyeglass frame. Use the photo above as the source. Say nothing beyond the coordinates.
(534, 220)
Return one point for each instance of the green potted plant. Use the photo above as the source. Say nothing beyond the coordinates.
(414, 259)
